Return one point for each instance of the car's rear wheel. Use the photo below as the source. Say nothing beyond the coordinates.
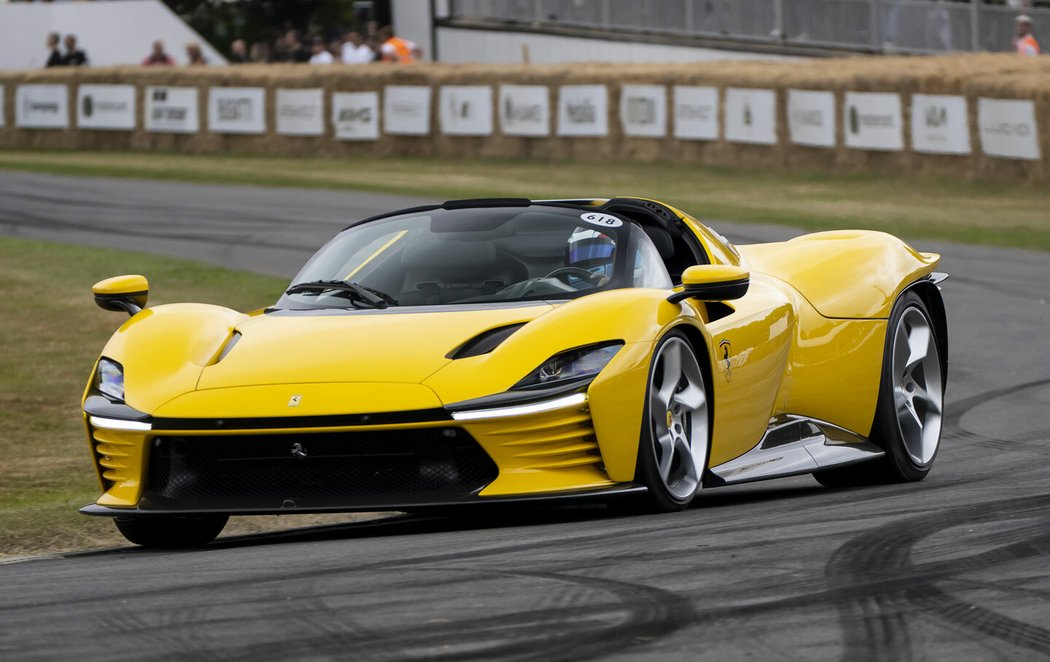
(171, 531)
(673, 450)
(908, 416)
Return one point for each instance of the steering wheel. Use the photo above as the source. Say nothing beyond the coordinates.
(572, 271)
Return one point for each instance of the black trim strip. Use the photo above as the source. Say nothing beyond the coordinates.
(274, 422)
(521, 397)
(99, 405)
(726, 291)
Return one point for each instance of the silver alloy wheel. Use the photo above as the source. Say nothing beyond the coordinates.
(918, 391)
(678, 418)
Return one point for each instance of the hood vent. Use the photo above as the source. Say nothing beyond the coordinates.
(484, 342)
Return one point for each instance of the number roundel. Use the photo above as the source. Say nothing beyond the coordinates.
(601, 220)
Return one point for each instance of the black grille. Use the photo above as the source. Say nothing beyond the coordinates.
(315, 471)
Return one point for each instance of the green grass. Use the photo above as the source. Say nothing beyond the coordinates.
(916, 208)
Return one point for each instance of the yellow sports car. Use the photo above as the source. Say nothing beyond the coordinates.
(505, 350)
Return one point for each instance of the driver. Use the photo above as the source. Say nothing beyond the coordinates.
(592, 251)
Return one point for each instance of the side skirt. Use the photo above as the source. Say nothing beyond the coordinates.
(794, 445)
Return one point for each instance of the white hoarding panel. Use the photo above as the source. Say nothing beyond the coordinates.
(524, 110)
(171, 110)
(811, 118)
(406, 110)
(355, 115)
(695, 112)
(300, 112)
(466, 110)
(643, 110)
(751, 116)
(873, 121)
(1008, 128)
(583, 110)
(106, 107)
(42, 107)
(237, 110)
(939, 124)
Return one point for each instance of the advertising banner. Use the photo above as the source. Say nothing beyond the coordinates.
(811, 118)
(751, 116)
(939, 124)
(300, 112)
(42, 107)
(1008, 129)
(695, 112)
(171, 110)
(524, 110)
(237, 110)
(583, 110)
(110, 107)
(643, 110)
(873, 121)
(355, 115)
(466, 110)
(406, 110)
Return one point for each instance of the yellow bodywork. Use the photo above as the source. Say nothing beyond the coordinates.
(806, 339)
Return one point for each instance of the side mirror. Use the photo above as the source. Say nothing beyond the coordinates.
(127, 293)
(713, 282)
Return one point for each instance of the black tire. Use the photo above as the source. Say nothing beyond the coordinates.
(171, 531)
(660, 497)
(898, 465)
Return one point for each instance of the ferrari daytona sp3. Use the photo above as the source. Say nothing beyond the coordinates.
(507, 350)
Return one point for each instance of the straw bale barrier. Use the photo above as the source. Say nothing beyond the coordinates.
(970, 77)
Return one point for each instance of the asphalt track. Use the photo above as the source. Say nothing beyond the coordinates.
(954, 568)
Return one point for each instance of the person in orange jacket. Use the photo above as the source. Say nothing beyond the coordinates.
(396, 49)
(1025, 43)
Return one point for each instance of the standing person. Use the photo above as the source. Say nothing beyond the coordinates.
(194, 55)
(157, 56)
(396, 49)
(74, 57)
(55, 59)
(319, 50)
(294, 50)
(238, 52)
(355, 50)
(1025, 43)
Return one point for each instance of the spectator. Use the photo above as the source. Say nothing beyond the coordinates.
(1025, 43)
(261, 51)
(194, 55)
(396, 49)
(320, 52)
(55, 59)
(238, 52)
(355, 50)
(73, 57)
(157, 56)
(294, 50)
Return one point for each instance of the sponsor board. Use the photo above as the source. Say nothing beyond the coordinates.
(355, 115)
(406, 110)
(811, 118)
(237, 110)
(300, 112)
(583, 110)
(939, 124)
(42, 107)
(109, 107)
(751, 116)
(466, 110)
(1007, 128)
(873, 121)
(643, 110)
(171, 110)
(695, 112)
(524, 110)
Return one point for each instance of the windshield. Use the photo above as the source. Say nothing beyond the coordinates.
(477, 255)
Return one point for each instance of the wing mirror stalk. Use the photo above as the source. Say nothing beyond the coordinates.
(127, 293)
(712, 282)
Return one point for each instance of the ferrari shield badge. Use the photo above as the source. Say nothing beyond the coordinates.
(725, 349)
(294, 400)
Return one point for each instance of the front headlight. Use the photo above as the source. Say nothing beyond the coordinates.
(576, 365)
(109, 379)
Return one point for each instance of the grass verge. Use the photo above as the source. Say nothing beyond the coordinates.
(52, 333)
(968, 212)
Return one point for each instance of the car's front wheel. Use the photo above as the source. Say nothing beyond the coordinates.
(171, 531)
(674, 443)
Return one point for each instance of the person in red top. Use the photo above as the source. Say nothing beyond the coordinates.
(1025, 43)
(396, 49)
(157, 56)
